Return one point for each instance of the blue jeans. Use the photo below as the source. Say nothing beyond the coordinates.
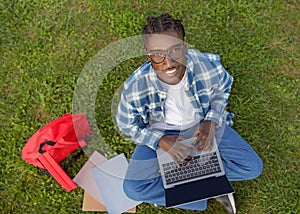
(143, 181)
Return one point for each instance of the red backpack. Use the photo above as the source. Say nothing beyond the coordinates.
(54, 142)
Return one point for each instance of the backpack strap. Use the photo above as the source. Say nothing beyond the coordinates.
(57, 172)
(54, 168)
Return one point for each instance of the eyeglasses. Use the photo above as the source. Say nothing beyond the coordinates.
(174, 53)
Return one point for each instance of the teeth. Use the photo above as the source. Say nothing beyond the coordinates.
(170, 71)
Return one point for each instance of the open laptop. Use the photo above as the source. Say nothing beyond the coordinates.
(203, 178)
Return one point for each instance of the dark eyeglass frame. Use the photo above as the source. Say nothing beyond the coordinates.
(166, 53)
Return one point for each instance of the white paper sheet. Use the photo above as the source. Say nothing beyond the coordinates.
(109, 177)
(85, 179)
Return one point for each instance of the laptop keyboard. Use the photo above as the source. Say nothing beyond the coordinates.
(203, 165)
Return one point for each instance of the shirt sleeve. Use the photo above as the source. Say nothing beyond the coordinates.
(130, 122)
(219, 95)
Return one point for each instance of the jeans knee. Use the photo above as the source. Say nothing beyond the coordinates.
(129, 187)
(257, 167)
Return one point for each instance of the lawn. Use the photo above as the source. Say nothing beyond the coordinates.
(48, 47)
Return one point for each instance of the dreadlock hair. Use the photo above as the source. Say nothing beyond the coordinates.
(162, 23)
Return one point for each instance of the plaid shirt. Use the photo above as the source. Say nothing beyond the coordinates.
(143, 97)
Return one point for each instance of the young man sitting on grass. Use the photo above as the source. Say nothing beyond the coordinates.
(185, 92)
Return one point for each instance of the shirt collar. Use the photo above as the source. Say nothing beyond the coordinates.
(154, 80)
(189, 70)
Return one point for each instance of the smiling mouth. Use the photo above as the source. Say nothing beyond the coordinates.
(171, 71)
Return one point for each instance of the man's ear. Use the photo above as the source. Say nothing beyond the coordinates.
(185, 46)
(146, 54)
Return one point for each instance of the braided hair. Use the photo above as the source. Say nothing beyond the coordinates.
(162, 23)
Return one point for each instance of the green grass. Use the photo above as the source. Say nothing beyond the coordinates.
(46, 44)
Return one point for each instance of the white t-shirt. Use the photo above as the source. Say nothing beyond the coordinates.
(179, 111)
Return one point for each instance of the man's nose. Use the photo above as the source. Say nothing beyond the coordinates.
(168, 61)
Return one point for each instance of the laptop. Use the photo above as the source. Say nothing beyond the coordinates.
(203, 178)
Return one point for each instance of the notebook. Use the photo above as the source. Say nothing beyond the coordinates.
(109, 177)
(102, 179)
(85, 179)
(91, 204)
(203, 178)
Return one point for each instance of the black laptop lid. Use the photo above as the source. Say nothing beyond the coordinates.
(197, 190)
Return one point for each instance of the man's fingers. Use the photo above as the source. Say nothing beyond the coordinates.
(199, 138)
(209, 145)
(203, 143)
(181, 158)
(206, 145)
(179, 148)
(187, 159)
(184, 149)
(196, 133)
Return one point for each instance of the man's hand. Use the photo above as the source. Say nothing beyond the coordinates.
(205, 134)
(177, 151)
